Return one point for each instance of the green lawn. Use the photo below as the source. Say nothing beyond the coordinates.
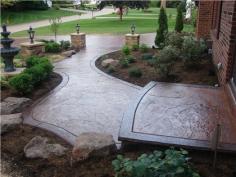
(144, 24)
(11, 18)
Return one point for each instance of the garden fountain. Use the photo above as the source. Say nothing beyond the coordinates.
(8, 52)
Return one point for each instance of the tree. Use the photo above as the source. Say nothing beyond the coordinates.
(138, 4)
(7, 3)
(163, 28)
(55, 23)
(179, 24)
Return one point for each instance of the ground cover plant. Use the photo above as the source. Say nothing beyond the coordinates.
(177, 62)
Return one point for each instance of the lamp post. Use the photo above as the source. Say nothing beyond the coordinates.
(31, 34)
(77, 28)
(132, 29)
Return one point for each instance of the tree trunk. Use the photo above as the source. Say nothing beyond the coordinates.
(121, 12)
(163, 3)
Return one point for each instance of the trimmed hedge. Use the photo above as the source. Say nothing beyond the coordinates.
(38, 69)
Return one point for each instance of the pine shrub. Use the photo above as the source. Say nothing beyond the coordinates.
(179, 24)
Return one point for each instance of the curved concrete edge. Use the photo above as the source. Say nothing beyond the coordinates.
(127, 134)
(94, 67)
(59, 131)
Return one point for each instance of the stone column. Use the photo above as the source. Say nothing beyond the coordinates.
(28, 49)
(78, 41)
(132, 39)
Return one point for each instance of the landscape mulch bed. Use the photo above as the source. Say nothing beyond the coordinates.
(46, 86)
(203, 74)
(12, 145)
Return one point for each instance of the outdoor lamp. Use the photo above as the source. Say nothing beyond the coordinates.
(132, 28)
(31, 34)
(77, 28)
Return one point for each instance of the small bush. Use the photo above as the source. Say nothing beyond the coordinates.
(151, 62)
(192, 50)
(52, 47)
(143, 48)
(146, 56)
(124, 63)
(165, 60)
(130, 59)
(38, 74)
(171, 163)
(135, 47)
(34, 60)
(65, 45)
(175, 39)
(135, 72)
(111, 69)
(22, 83)
(4, 82)
(125, 50)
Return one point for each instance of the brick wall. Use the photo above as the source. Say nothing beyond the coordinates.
(204, 19)
(224, 45)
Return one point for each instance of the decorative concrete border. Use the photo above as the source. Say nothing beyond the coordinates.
(59, 131)
(126, 132)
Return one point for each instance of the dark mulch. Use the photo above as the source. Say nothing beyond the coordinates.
(12, 145)
(46, 86)
(203, 74)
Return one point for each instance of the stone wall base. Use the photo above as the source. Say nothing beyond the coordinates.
(132, 39)
(28, 49)
(78, 41)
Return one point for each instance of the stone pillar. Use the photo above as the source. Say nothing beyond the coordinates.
(132, 39)
(28, 49)
(78, 41)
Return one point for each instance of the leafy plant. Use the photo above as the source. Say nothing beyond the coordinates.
(126, 50)
(192, 50)
(130, 59)
(179, 24)
(146, 56)
(65, 45)
(135, 47)
(111, 69)
(22, 83)
(34, 60)
(162, 29)
(143, 48)
(54, 25)
(165, 61)
(52, 47)
(135, 72)
(4, 82)
(175, 39)
(171, 163)
(124, 63)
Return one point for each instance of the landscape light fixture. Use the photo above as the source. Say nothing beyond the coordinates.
(133, 29)
(77, 28)
(31, 34)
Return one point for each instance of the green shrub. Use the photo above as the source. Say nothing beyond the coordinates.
(135, 47)
(143, 48)
(175, 39)
(111, 69)
(165, 60)
(151, 62)
(34, 60)
(4, 82)
(38, 74)
(22, 83)
(124, 63)
(192, 50)
(52, 47)
(125, 50)
(171, 163)
(179, 24)
(135, 72)
(162, 29)
(130, 59)
(65, 45)
(146, 56)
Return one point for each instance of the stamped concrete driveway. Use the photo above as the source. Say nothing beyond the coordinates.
(87, 100)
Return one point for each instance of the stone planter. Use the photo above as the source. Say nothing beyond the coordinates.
(28, 49)
(132, 39)
(78, 41)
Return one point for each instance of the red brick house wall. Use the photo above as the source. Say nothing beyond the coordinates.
(224, 39)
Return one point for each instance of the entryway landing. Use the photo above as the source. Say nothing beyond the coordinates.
(180, 115)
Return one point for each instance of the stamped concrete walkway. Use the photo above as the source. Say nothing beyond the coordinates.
(87, 99)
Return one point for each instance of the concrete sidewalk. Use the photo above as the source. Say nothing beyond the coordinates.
(37, 24)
